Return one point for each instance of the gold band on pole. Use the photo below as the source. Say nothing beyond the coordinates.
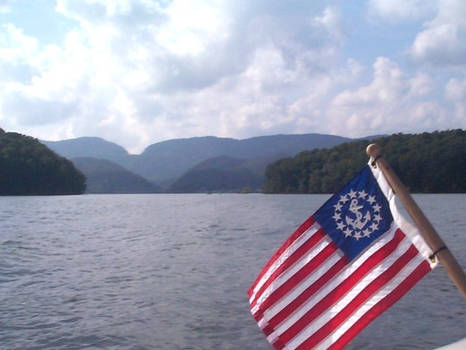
(436, 244)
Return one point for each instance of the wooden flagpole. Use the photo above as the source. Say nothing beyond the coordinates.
(443, 254)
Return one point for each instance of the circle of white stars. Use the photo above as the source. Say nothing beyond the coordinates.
(368, 229)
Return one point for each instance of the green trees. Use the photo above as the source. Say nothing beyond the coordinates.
(429, 162)
(27, 167)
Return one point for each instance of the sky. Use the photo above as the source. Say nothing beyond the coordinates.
(136, 72)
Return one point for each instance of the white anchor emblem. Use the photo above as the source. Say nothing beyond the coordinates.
(360, 224)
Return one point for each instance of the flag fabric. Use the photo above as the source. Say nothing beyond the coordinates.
(344, 266)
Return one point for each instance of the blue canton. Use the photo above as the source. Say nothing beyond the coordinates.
(357, 215)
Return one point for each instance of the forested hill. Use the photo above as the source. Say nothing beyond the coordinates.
(221, 174)
(27, 167)
(426, 163)
(104, 176)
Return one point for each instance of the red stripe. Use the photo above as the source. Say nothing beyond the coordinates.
(365, 294)
(291, 260)
(267, 330)
(278, 345)
(297, 278)
(382, 305)
(343, 287)
(308, 292)
(294, 236)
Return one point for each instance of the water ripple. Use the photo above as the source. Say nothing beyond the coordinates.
(170, 272)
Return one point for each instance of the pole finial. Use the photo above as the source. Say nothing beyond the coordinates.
(373, 150)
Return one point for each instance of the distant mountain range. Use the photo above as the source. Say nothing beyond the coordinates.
(104, 176)
(92, 147)
(171, 159)
(199, 164)
(225, 174)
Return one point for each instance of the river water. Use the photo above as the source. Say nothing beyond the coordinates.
(171, 272)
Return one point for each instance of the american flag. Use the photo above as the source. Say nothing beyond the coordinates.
(344, 266)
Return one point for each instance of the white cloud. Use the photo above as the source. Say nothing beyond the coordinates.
(443, 40)
(137, 72)
(330, 21)
(455, 92)
(455, 89)
(420, 85)
(192, 27)
(4, 6)
(391, 102)
(388, 85)
(14, 45)
(397, 10)
(166, 75)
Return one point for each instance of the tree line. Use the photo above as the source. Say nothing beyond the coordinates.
(426, 163)
(27, 167)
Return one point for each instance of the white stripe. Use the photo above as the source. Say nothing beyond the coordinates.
(328, 314)
(262, 323)
(295, 292)
(344, 274)
(410, 230)
(281, 279)
(284, 256)
(366, 306)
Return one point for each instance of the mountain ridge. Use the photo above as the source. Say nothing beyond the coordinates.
(105, 176)
(167, 160)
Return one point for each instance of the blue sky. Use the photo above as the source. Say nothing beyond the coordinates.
(137, 72)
